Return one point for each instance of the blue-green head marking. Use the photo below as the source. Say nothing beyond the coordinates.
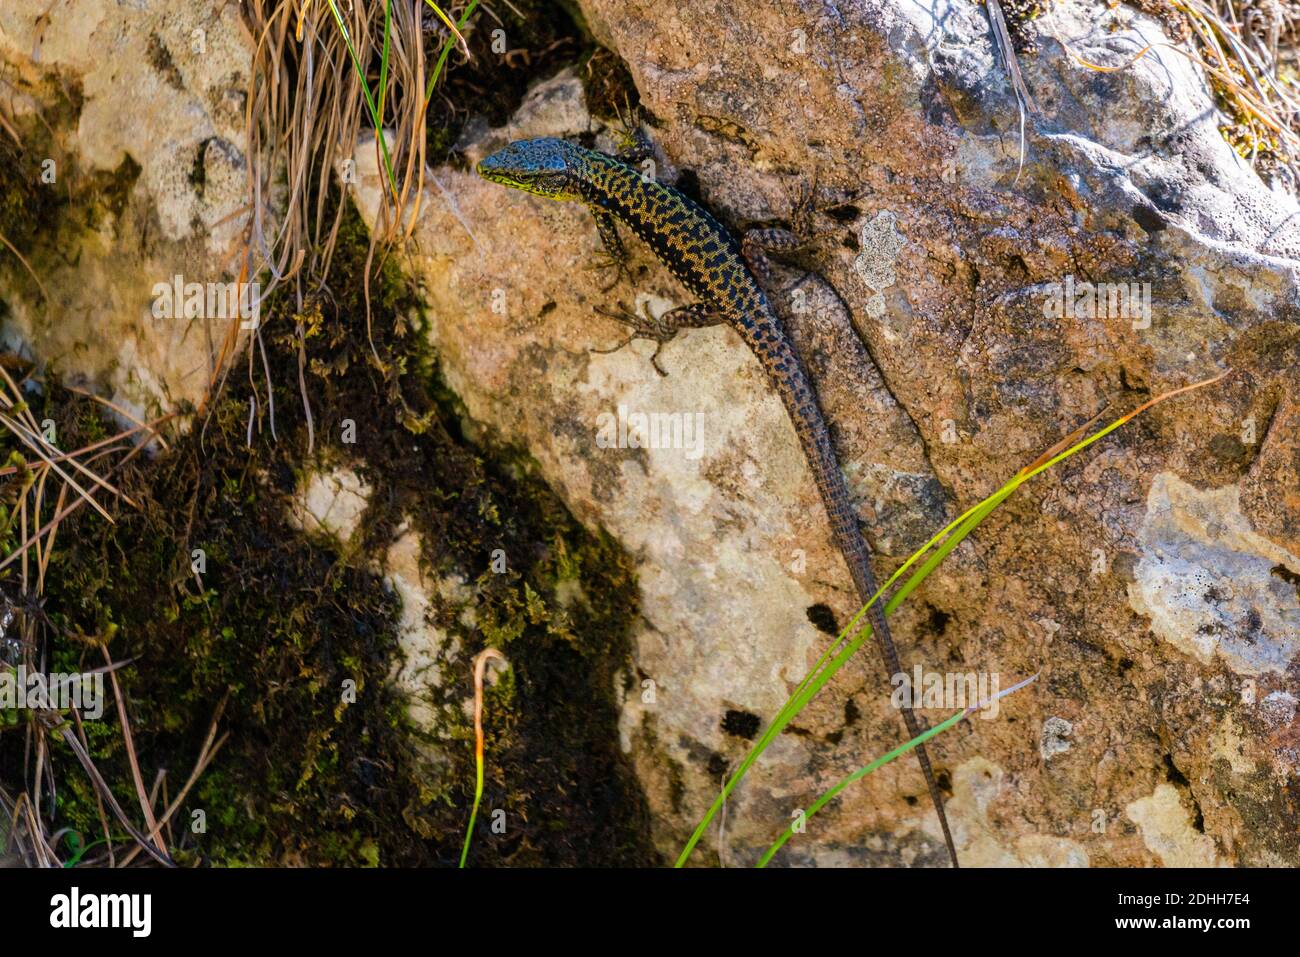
(546, 166)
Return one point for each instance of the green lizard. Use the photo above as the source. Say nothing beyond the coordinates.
(720, 272)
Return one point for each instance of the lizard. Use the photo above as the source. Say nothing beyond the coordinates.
(724, 276)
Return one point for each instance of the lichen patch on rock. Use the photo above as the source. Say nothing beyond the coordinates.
(1210, 584)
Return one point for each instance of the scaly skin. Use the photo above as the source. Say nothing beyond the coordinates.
(709, 262)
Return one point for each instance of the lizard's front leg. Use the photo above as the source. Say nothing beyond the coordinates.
(660, 329)
(635, 148)
(615, 254)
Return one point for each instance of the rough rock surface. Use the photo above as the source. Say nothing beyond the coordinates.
(1152, 581)
(332, 503)
(140, 109)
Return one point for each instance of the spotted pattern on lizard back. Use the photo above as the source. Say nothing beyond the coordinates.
(711, 264)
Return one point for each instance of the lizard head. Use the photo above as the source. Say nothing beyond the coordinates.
(546, 166)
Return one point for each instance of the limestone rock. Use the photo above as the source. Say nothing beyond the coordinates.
(968, 314)
(140, 107)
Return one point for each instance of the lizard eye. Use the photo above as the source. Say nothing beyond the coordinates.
(553, 182)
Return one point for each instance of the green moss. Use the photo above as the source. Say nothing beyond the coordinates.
(277, 621)
(48, 205)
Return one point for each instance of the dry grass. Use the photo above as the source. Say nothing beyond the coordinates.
(1247, 50)
(45, 494)
(307, 108)
(324, 71)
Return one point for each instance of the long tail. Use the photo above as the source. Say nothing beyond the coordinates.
(801, 404)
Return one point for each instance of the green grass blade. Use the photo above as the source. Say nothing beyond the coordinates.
(473, 814)
(838, 653)
(376, 119)
(383, 55)
(856, 776)
(446, 48)
(480, 668)
(880, 762)
(454, 28)
(803, 694)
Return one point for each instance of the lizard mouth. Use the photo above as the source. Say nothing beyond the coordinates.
(550, 185)
(495, 173)
(492, 173)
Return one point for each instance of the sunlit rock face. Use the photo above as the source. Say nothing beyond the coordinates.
(132, 118)
(966, 309)
(966, 305)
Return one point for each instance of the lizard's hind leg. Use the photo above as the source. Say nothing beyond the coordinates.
(802, 234)
(662, 329)
(756, 245)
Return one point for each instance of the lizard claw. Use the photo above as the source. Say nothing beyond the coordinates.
(654, 360)
(628, 318)
(642, 328)
(621, 271)
(611, 349)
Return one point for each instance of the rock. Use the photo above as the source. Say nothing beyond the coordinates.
(967, 308)
(1270, 492)
(968, 313)
(332, 503)
(1169, 833)
(1211, 585)
(141, 112)
(425, 648)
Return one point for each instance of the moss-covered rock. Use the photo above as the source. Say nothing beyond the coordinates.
(216, 594)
